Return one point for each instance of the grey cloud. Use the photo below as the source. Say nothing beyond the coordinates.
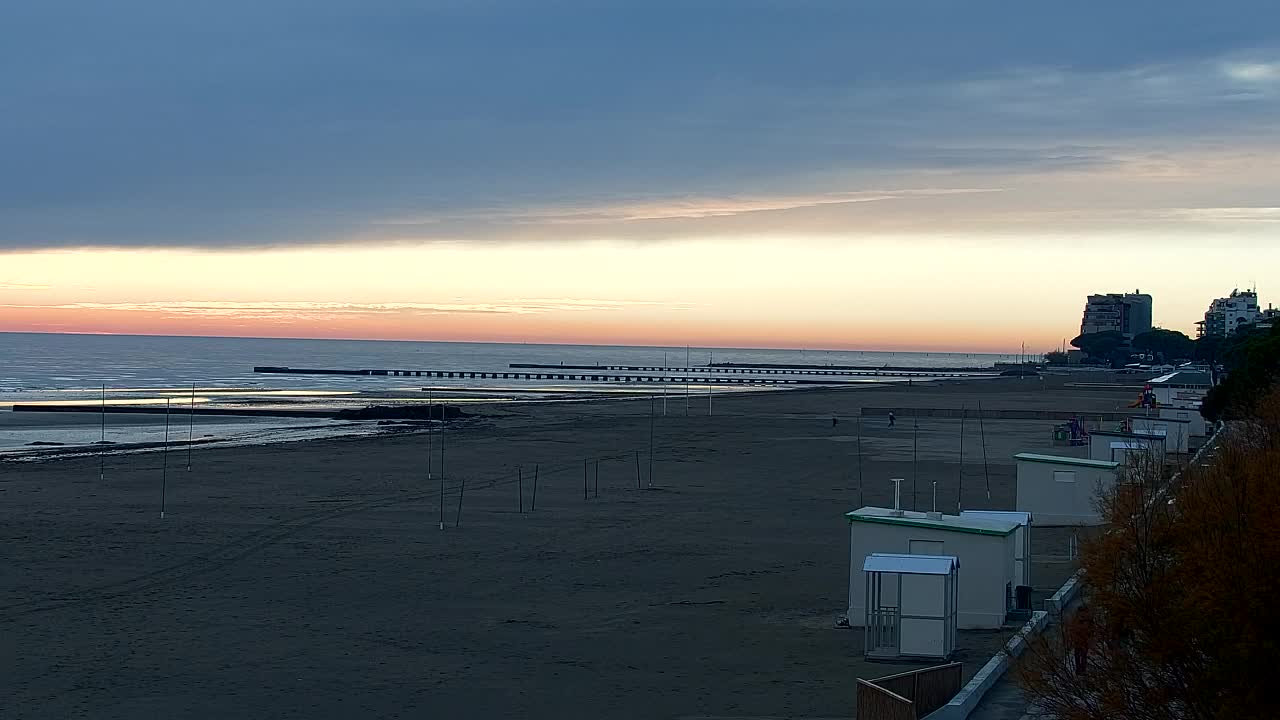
(241, 123)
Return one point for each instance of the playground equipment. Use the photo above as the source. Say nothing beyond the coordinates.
(1071, 433)
(1147, 399)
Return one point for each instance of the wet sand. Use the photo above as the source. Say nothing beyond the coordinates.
(312, 579)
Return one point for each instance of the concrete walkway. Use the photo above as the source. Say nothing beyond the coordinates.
(1005, 701)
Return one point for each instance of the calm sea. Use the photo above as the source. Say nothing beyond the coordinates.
(39, 364)
(150, 370)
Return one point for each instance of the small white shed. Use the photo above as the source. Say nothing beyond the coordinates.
(1176, 432)
(1021, 537)
(1103, 445)
(984, 547)
(1060, 490)
(1196, 422)
(911, 606)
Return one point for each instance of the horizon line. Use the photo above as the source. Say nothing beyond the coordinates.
(509, 342)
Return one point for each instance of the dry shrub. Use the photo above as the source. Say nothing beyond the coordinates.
(1181, 593)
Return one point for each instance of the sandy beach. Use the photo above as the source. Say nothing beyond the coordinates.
(311, 579)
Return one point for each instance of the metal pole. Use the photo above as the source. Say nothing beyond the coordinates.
(520, 486)
(586, 483)
(164, 472)
(597, 479)
(102, 451)
(982, 428)
(533, 504)
(960, 475)
(430, 416)
(441, 467)
(915, 458)
(664, 384)
(686, 380)
(860, 458)
(462, 489)
(637, 469)
(650, 441)
(191, 422)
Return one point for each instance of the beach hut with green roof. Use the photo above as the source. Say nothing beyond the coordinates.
(1061, 490)
(985, 548)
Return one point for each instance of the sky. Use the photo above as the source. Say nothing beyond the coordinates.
(896, 174)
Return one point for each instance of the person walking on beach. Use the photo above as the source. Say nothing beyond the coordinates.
(1080, 636)
(892, 419)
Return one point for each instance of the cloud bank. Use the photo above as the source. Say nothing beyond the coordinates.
(152, 123)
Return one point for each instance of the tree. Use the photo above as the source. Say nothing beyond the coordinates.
(1103, 346)
(1165, 344)
(1055, 357)
(1251, 360)
(1208, 347)
(1180, 593)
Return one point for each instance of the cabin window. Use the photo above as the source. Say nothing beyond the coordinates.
(925, 547)
(1064, 476)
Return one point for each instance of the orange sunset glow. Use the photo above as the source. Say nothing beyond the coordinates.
(957, 295)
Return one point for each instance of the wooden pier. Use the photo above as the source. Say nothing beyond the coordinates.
(565, 376)
(775, 370)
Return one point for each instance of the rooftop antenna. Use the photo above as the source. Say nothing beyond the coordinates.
(934, 514)
(897, 497)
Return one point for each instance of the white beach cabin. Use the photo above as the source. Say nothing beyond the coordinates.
(1183, 388)
(1195, 421)
(1060, 490)
(1021, 537)
(1176, 432)
(985, 548)
(911, 606)
(1117, 446)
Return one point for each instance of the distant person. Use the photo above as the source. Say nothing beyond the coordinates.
(892, 419)
(1080, 635)
(834, 420)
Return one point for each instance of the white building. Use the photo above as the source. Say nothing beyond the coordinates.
(1126, 313)
(1176, 432)
(1116, 446)
(1195, 421)
(985, 549)
(1021, 537)
(911, 606)
(1184, 388)
(1059, 490)
(1227, 315)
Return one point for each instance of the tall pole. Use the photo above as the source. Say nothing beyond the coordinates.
(164, 472)
(191, 425)
(686, 380)
(650, 441)
(430, 416)
(915, 458)
(982, 428)
(102, 452)
(664, 384)
(960, 475)
(859, 458)
(441, 467)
